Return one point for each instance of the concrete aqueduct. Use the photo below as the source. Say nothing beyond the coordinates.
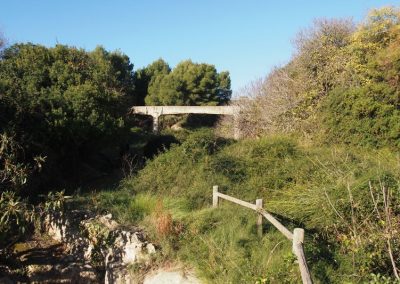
(157, 111)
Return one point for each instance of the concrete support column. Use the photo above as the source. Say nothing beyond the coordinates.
(155, 123)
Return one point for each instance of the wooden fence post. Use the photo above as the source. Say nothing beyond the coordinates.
(215, 196)
(297, 236)
(259, 205)
(298, 239)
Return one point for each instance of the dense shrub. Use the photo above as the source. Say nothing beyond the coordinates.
(364, 116)
(63, 103)
(16, 218)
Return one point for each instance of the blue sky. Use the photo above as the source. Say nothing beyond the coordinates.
(246, 37)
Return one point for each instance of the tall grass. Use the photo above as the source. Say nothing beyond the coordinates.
(334, 193)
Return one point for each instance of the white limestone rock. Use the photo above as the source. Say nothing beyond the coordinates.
(165, 276)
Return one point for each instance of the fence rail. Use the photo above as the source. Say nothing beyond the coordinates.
(297, 237)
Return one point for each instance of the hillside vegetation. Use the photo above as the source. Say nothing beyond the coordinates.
(321, 138)
(326, 159)
(346, 199)
(341, 86)
(64, 120)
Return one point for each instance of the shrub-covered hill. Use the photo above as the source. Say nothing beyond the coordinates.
(340, 90)
(64, 120)
(341, 85)
(339, 195)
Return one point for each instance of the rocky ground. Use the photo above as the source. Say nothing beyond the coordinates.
(44, 260)
(80, 247)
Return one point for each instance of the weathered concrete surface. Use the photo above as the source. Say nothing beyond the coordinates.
(164, 110)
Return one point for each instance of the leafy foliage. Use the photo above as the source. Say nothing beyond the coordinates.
(147, 76)
(369, 114)
(189, 84)
(13, 173)
(63, 103)
(364, 116)
(15, 218)
(18, 216)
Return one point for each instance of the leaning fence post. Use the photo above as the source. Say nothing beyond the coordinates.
(215, 196)
(259, 205)
(298, 240)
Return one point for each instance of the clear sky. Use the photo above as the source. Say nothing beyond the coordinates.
(246, 37)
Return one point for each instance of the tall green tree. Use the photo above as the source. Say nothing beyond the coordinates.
(146, 76)
(190, 84)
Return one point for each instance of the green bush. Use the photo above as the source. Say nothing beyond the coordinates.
(16, 217)
(366, 116)
(63, 103)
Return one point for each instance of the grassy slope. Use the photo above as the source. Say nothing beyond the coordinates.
(171, 197)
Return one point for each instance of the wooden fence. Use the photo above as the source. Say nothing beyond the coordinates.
(297, 237)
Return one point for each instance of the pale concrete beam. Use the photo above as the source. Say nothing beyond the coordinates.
(164, 110)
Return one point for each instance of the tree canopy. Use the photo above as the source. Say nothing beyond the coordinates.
(187, 84)
(63, 102)
(146, 76)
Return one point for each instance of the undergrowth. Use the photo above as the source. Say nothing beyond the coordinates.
(345, 198)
